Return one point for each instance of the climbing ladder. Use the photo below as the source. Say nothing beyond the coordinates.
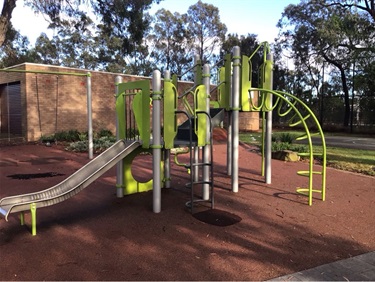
(301, 115)
(304, 116)
(286, 104)
(191, 134)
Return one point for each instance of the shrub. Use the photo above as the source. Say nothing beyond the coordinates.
(100, 144)
(104, 133)
(69, 136)
(284, 137)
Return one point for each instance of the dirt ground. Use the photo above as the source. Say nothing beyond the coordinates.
(96, 236)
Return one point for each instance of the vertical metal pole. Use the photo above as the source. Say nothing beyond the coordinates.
(235, 115)
(229, 143)
(167, 152)
(8, 113)
(156, 137)
(195, 169)
(268, 145)
(352, 106)
(207, 148)
(120, 165)
(321, 100)
(89, 116)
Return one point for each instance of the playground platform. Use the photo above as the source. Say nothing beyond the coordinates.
(263, 232)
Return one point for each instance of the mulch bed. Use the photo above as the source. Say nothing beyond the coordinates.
(261, 232)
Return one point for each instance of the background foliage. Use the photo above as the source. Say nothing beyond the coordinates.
(325, 51)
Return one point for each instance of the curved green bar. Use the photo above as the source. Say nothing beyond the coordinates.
(298, 118)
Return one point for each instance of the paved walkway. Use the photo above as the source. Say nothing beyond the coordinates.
(359, 268)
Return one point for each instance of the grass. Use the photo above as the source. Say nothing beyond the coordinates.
(355, 160)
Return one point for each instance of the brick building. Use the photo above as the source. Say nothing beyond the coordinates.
(39, 104)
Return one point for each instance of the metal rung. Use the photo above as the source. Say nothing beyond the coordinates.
(201, 164)
(188, 203)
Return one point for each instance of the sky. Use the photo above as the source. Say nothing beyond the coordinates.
(240, 16)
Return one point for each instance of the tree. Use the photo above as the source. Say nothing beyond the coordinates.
(247, 45)
(5, 17)
(170, 42)
(15, 50)
(208, 31)
(316, 31)
(122, 21)
(367, 7)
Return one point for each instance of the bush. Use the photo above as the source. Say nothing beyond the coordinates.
(284, 137)
(280, 146)
(104, 133)
(68, 136)
(100, 145)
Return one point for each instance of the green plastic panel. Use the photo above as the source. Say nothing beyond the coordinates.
(245, 84)
(198, 72)
(133, 186)
(141, 108)
(221, 95)
(169, 115)
(267, 84)
(228, 81)
(200, 104)
(175, 80)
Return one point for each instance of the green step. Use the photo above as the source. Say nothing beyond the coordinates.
(305, 191)
(304, 136)
(308, 154)
(307, 173)
(299, 121)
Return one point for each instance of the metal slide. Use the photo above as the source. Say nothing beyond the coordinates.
(73, 184)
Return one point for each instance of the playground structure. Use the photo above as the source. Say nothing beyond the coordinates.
(154, 128)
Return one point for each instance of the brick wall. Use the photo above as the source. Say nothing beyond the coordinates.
(58, 102)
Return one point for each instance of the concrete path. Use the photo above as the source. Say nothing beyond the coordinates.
(359, 268)
(352, 142)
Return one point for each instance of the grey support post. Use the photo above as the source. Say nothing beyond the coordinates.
(156, 140)
(167, 152)
(207, 149)
(119, 166)
(89, 117)
(235, 115)
(196, 148)
(268, 143)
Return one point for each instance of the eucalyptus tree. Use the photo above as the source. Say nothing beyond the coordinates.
(316, 32)
(248, 44)
(170, 41)
(206, 28)
(5, 19)
(121, 25)
(365, 6)
(15, 50)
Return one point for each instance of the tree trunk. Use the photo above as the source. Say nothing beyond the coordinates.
(346, 96)
(345, 88)
(6, 15)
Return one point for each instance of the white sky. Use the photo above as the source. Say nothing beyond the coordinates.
(240, 16)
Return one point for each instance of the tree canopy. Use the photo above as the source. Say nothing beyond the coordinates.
(330, 43)
(333, 33)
